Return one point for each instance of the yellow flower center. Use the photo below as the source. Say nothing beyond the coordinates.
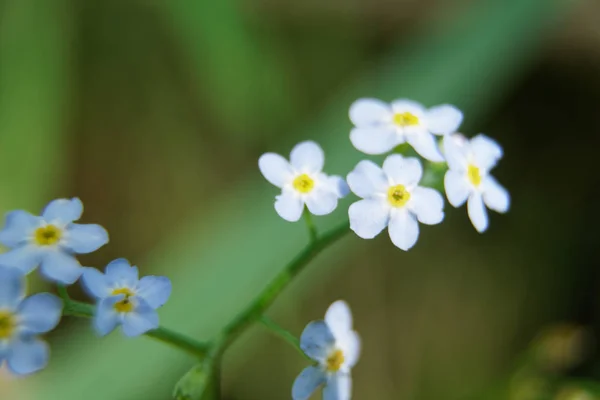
(8, 324)
(125, 305)
(474, 175)
(334, 361)
(47, 235)
(304, 183)
(405, 119)
(398, 196)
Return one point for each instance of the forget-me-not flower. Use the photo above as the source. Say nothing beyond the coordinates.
(50, 240)
(124, 299)
(379, 126)
(335, 346)
(468, 177)
(392, 198)
(302, 182)
(22, 320)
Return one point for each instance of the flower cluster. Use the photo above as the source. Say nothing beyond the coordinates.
(51, 241)
(391, 195)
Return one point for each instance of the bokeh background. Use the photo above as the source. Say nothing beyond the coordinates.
(154, 113)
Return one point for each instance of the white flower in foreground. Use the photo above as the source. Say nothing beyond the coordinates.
(392, 198)
(302, 182)
(379, 127)
(469, 177)
(335, 347)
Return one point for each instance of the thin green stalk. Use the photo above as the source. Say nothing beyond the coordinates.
(312, 229)
(182, 342)
(284, 334)
(262, 302)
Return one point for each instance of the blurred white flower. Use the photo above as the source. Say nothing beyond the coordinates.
(335, 346)
(379, 127)
(302, 182)
(392, 198)
(468, 177)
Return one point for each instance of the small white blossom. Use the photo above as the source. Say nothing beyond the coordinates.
(379, 127)
(335, 346)
(302, 182)
(469, 177)
(392, 198)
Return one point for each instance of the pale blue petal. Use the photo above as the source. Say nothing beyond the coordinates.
(85, 238)
(27, 356)
(141, 320)
(106, 318)
(120, 273)
(155, 290)
(307, 382)
(63, 211)
(94, 283)
(317, 340)
(338, 387)
(25, 258)
(60, 267)
(12, 287)
(40, 313)
(18, 227)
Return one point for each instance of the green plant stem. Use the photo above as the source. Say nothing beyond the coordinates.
(312, 229)
(182, 342)
(262, 302)
(284, 334)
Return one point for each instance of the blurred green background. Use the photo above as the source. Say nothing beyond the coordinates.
(155, 112)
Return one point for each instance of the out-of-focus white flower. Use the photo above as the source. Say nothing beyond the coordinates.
(335, 346)
(468, 177)
(302, 182)
(392, 198)
(379, 126)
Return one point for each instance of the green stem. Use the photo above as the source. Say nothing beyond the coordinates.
(284, 334)
(262, 302)
(182, 342)
(312, 229)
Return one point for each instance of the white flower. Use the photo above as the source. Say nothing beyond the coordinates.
(469, 177)
(336, 348)
(393, 198)
(380, 126)
(302, 182)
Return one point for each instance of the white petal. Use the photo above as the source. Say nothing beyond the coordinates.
(405, 105)
(367, 179)
(276, 169)
(477, 212)
(405, 171)
(339, 319)
(369, 112)
(368, 217)
(351, 346)
(317, 340)
(486, 151)
(424, 143)
(375, 140)
(444, 119)
(495, 195)
(403, 229)
(338, 387)
(428, 205)
(289, 206)
(321, 201)
(307, 157)
(455, 152)
(457, 188)
(307, 382)
(338, 185)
